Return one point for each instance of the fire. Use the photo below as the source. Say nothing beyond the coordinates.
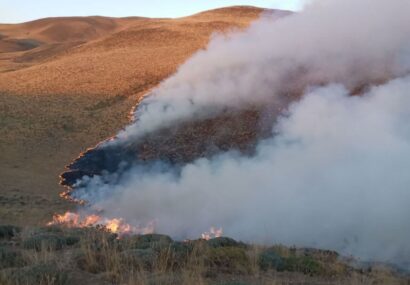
(115, 225)
(118, 226)
(213, 233)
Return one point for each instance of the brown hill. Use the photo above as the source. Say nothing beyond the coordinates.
(62, 29)
(68, 83)
(106, 56)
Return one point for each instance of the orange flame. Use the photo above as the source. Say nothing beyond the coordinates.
(116, 225)
(213, 233)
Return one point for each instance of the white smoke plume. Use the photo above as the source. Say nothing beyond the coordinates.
(334, 41)
(335, 176)
(335, 173)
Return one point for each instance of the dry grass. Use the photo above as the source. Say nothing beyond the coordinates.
(96, 256)
(107, 56)
(40, 136)
(76, 89)
(73, 91)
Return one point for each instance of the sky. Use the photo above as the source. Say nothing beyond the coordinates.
(15, 11)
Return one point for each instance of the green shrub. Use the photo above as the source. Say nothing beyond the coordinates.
(304, 264)
(154, 241)
(51, 229)
(293, 261)
(270, 259)
(71, 240)
(177, 254)
(8, 232)
(322, 255)
(231, 260)
(180, 250)
(224, 242)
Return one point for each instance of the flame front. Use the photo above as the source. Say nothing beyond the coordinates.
(115, 225)
(213, 233)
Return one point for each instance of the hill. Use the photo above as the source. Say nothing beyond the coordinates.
(68, 83)
(105, 56)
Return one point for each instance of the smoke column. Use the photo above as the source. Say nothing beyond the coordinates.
(348, 42)
(333, 175)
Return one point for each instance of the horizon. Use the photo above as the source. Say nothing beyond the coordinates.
(18, 11)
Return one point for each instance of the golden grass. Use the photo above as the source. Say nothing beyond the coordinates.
(108, 56)
(70, 93)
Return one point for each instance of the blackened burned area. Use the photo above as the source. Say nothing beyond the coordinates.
(177, 145)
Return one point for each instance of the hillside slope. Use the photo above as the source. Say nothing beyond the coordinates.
(103, 55)
(68, 83)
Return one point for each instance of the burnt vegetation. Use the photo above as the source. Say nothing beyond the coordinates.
(177, 145)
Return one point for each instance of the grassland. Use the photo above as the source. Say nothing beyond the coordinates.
(64, 256)
(75, 87)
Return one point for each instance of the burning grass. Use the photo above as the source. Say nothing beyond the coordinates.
(95, 255)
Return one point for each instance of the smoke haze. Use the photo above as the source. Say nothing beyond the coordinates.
(350, 42)
(333, 175)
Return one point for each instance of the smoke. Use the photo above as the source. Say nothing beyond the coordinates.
(293, 5)
(349, 42)
(333, 175)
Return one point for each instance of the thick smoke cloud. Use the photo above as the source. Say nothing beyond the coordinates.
(334, 41)
(334, 174)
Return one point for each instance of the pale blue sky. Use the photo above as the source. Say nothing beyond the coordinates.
(12, 11)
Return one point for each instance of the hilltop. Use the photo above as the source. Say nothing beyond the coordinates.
(105, 56)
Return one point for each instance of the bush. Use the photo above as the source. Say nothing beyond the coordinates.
(224, 242)
(231, 260)
(8, 232)
(304, 264)
(177, 254)
(322, 255)
(36, 274)
(51, 229)
(269, 259)
(71, 240)
(180, 250)
(154, 241)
